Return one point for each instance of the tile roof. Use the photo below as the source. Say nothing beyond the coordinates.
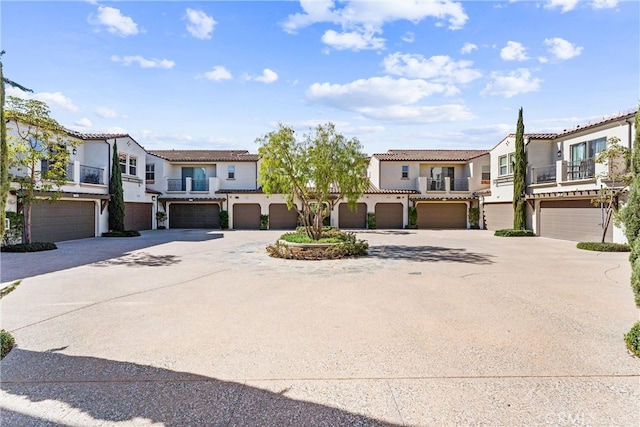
(205, 155)
(616, 117)
(375, 190)
(97, 135)
(431, 155)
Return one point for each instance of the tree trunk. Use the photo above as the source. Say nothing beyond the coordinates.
(607, 220)
(27, 219)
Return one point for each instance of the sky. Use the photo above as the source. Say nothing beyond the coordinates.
(395, 74)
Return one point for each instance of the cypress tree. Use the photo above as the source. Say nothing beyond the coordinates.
(630, 214)
(519, 184)
(116, 204)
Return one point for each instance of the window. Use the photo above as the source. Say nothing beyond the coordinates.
(505, 164)
(405, 171)
(133, 165)
(437, 175)
(486, 174)
(122, 158)
(150, 173)
(231, 170)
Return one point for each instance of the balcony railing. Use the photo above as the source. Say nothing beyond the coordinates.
(459, 184)
(581, 169)
(91, 175)
(176, 185)
(435, 184)
(200, 185)
(544, 174)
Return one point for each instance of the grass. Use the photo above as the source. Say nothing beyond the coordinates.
(603, 247)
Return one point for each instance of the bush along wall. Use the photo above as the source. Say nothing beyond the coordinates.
(224, 220)
(371, 221)
(413, 217)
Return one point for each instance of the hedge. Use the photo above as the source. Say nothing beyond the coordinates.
(508, 232)
(603, 247)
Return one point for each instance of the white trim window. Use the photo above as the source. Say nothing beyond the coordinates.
(505, 164)
(405, 171)
(133, 165)
(486, 174)
(231, 172)
(150, 173)
(122, 158)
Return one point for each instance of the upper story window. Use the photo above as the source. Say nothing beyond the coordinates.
(133, 165)
(405, 171)
(231, 172)
(505, 164)
(150, 173)
(588, 149)
(486, 174)
(122, 158)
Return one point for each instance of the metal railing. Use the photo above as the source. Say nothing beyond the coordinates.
(545, 174)
(435, 184)
(200, 185)
(459, 184)
(176, 185)
(581, 169)
(91, 175)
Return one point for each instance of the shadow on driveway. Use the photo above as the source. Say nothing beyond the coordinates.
(429, 253)
(112, 391)
(102, 250)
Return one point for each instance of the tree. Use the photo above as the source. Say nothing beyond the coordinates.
(630, 214)
(39, 149)
(4, 147)
(519, 184)
(318, 171)
(116, 204)
(617, 176)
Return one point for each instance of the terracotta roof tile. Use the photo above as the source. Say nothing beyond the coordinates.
(97, 135)
(616, 117)
(205, 155)
(431, 155)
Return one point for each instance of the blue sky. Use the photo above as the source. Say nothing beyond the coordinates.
(394, 74)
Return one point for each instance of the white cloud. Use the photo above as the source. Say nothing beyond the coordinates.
(352, 40)
(106, 113)
(367, 18)
(200, 24)
(409, 37)
(52, 99)
(115, 21)
(604, 4)
(268, 76)
(83, 122)
(562, 49)
(218, 73)
(543, 59)
(419, 114)
(440, 68)
(564, 5)
(512, 84)
(468, 48)
(514, 51)
(144, 62)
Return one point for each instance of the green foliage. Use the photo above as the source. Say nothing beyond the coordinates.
(508, 232)
(334, 244)
(29, 247)
(371, 220)
(116, 204)
(125, 233)
(328, 236)
(630, 214)
(6, 343)
(38, 140)
(16, 227)
(413, 218)
(10, 288)
(603, 247)
(161, 217)
(635, 276)
(264, 222)
(312, 171)
(224, 220)
(632, 338)
(519, 178)
(474, 216)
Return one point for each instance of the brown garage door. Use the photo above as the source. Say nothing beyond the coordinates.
(246, 216)
(281, 218)
(189, 215)
(442, 215)
(62, 220)
(576, 220)
(356, 218)
(498, 216)
(389, 215)
(137, 216)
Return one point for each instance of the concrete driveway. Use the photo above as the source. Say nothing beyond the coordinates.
(189, 327)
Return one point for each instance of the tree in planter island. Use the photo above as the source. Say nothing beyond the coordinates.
(519, 176)
(116, 204)
(39, 149)
(317, 171)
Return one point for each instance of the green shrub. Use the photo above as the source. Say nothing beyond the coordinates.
(126, 233)
(14, 234)
(603, 247)
(371, 221)
(413, 217)
(474, 217)
(508, 232)
(224, 220)
(344, 244)
(635, 251)
(30, 247)
(6, 343)
(635, 280)
(264, 222)
(329, 235)
(633, 339)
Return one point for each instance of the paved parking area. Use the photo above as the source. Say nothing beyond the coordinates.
(190, 327)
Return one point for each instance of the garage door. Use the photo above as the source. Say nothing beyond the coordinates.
(352, 219)
(246, 216)
(189, 215)
(442, 215)
(576, 220)
(498, 216)
(137, 216)
(62, 220)
(281, 218)
(389, 215)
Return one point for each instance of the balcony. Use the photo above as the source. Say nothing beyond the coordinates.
(543, 174)
(91, 175)
(200, 185)
(207, 186)
(445, 185)
(581, 169)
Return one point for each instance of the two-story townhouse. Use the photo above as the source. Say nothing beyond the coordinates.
(442, 184)
(562, 181)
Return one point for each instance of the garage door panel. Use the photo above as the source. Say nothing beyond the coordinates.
(281, 218)
(442, 215)
(246, 216)
(356, 218)
(498, 216)
(576, 220)
(62, 220)
(389, 215)
(183, 215)
(137, 216)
